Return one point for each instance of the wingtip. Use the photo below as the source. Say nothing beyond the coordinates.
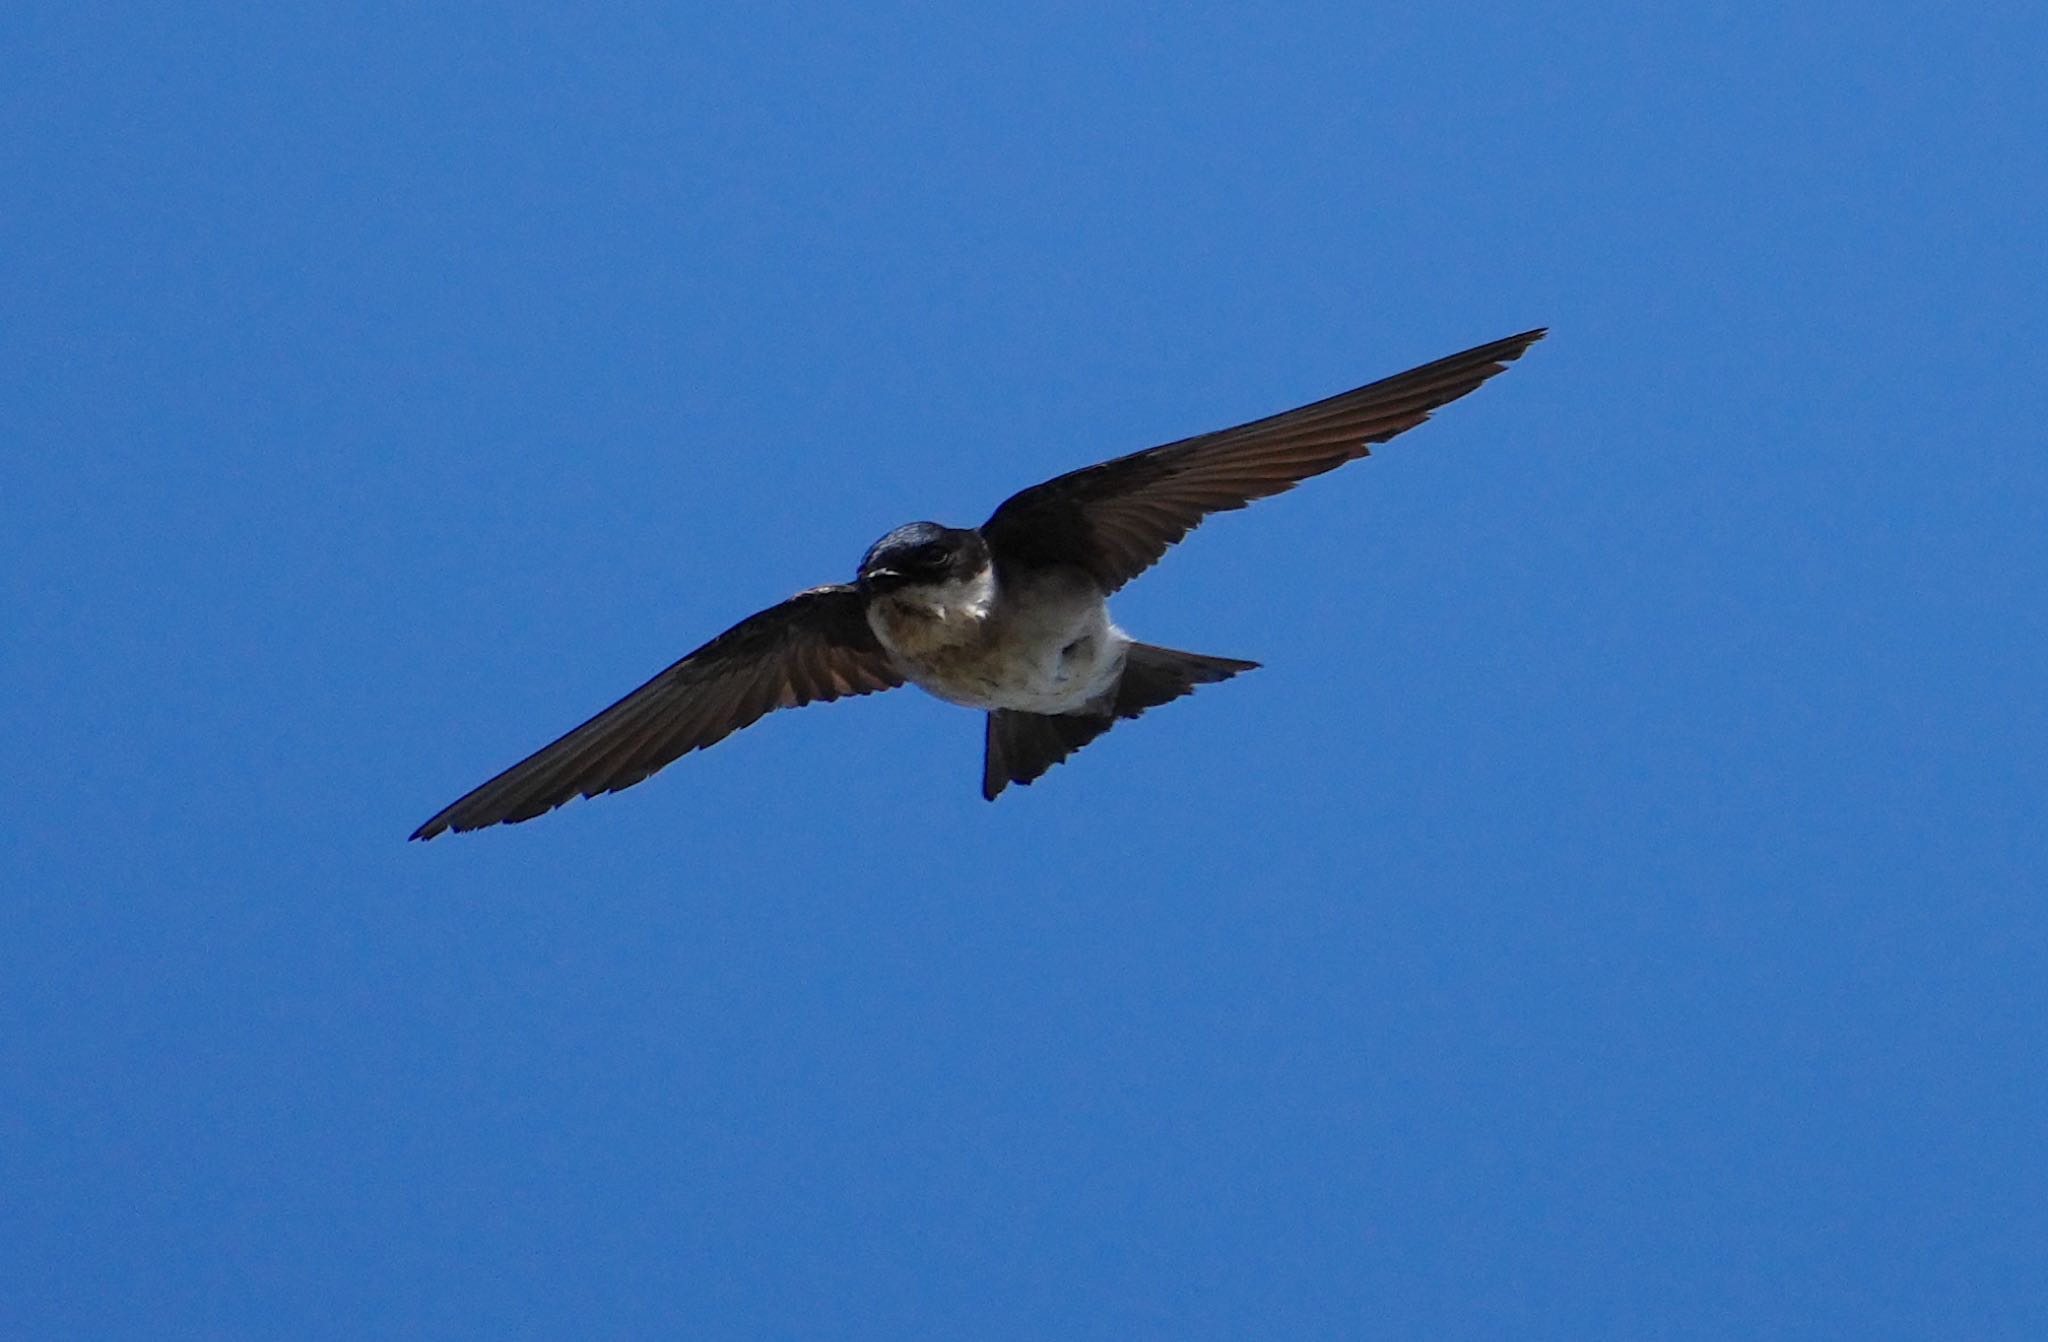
(1496, 355)
(1509, 347)
(441, 822)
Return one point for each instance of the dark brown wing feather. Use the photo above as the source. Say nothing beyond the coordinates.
(1119, 517)
(815, 646)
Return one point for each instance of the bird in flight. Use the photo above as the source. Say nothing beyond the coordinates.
(1010, 617)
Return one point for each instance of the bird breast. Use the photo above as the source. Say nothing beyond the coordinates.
(1046, 646)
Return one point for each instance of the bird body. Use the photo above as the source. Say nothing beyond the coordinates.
(1039, 643)
(1010, 618)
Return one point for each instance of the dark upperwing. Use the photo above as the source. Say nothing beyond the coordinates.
(816, 646)
(1117, 518)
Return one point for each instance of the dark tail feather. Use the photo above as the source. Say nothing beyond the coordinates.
(1155, 676)
(1021, 746)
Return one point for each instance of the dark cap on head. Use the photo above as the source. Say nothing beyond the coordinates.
(922, 552)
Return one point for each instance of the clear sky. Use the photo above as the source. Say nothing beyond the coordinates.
(1616, 910)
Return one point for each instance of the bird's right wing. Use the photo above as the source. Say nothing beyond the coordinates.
(815, 646)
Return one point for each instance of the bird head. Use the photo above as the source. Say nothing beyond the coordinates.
(923, 554)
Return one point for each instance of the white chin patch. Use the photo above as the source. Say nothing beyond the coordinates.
(957, 598)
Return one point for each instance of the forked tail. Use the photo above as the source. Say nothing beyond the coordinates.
(1021, 746)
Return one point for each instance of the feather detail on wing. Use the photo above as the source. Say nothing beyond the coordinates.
(1117, 518)
(814, 647)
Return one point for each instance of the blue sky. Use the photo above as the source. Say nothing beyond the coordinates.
(1614, 911)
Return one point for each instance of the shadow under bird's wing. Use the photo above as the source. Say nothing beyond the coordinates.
(1117, 518)
(813, 647)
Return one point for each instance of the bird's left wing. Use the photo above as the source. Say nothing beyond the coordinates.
(1117, 518)
(815, 646)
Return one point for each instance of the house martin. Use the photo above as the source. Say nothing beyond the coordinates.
(1010, 617)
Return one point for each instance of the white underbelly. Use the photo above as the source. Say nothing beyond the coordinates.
(1059, 677)
(1049, 649)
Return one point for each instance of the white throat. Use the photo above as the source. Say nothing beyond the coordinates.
(1046, 648)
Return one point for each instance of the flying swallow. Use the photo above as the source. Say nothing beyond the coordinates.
(1011, 618)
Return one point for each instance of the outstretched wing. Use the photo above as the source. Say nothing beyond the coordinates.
(815, 646)
(1116, 519)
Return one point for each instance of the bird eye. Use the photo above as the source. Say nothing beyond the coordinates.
(929, 556)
